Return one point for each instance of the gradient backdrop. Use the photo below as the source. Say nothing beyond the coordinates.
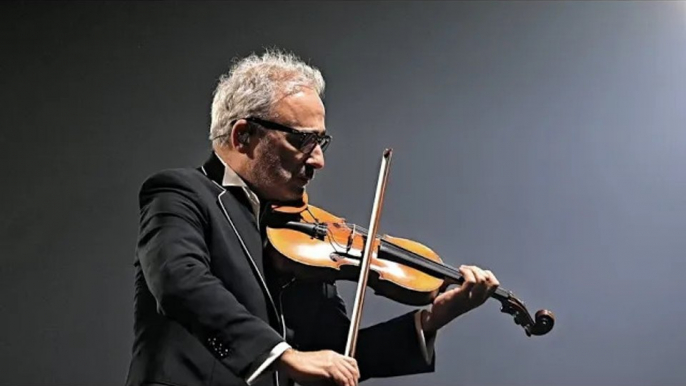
(543, 140)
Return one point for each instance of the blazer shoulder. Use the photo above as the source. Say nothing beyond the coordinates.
(189, 182)
(179, 178)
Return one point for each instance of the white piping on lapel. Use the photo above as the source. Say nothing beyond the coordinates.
(252, 261)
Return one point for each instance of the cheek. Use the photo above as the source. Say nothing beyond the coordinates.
(286, 162)
(279, 162)
(278, 165)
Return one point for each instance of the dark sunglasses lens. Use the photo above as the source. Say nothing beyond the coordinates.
(324, 143)
(308, 142)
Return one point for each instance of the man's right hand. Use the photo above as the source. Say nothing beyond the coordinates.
(319, 367)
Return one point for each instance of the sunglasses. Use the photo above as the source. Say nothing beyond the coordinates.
(303, 141)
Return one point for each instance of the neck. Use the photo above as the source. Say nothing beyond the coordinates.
(239, 163)
(231, 159)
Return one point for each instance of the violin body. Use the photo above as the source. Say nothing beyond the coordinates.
(337, 254)
(313, 244)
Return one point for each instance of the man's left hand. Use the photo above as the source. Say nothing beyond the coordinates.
(477, 287)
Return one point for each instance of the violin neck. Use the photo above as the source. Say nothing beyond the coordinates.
(400, 255)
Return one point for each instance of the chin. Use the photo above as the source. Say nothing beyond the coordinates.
(294, 195)
(291, 194)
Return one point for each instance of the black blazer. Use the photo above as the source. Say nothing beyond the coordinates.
(203, 311)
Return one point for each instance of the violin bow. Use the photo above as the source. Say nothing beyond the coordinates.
(369, 248)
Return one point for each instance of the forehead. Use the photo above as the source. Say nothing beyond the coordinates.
(303, 110)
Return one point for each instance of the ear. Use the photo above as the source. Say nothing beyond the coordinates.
(241, 134)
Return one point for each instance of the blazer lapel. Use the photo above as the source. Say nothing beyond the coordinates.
(244, 226)
(251, 245)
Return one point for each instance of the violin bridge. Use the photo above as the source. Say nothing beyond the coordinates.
(351, 238)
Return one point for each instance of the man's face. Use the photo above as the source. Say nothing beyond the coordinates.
(281, 169)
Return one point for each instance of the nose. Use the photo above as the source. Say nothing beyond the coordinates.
(316, 158)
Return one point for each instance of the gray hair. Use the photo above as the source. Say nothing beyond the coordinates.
(254, 84)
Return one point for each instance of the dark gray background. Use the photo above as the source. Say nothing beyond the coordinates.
(543, 140)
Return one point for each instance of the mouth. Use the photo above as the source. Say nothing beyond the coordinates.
(303, 179)
(306, 176)
(309, 173)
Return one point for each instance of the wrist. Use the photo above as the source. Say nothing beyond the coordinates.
(285, 359)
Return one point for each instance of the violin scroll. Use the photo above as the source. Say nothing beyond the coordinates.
(540, 324)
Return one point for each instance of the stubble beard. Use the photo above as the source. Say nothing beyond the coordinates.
(276, 179)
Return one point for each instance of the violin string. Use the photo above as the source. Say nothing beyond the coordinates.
(419, 259)
(412, 256)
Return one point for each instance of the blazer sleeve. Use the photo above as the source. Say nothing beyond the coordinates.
(176, 264)
(391, 348)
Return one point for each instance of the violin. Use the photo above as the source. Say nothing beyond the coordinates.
(317, 245)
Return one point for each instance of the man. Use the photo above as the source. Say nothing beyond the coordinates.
(210, 309)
